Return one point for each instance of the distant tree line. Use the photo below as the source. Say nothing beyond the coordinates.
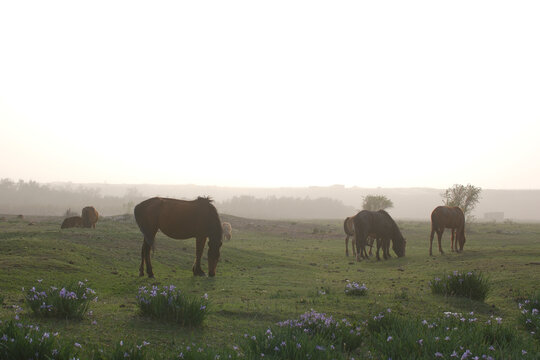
(32, 198)
(285, 208)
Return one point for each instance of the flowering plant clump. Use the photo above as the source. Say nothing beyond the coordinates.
(453, 336)
(123, 351)
(18, 341)
(530, 315)
(471, 284)
(353, 288)
(71, 301)
(195, 351)
(172, 304)
(340, 333)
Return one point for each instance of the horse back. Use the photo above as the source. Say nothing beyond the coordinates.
(178, 219)
(450, 217)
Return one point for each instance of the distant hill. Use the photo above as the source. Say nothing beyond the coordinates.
(409, 203)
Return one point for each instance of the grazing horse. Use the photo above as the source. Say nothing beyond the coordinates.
(348, 226)
(89, 217)
(381, 224)
(180, 219)
(448, 217)
(74, 221)
(227, 230)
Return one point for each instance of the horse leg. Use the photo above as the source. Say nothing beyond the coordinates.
(347, 245)
(149, 271)
(371, 246)
(452, 246)
(439, 237)
(197, 270)
(387, 246)
(378, 248)
(143, 254)
(431, 241)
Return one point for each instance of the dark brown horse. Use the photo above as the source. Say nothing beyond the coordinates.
(380, 224)
(348, 227)
(180, 219)
(74, 221)
(448, 217)
(89, 216)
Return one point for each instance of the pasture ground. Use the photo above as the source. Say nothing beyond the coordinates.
(270, 271)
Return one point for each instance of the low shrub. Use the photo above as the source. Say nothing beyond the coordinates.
(355, 289)
(71, 301)
(472, 285)
(172, 304)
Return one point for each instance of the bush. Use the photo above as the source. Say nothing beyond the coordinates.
(71, 301)
(20, 341)
(530, 315)
(172, 304)
(471, 285)
(353, 288)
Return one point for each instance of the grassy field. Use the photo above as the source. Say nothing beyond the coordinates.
(270, 271)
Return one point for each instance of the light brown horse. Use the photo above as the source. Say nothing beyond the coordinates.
(74, 221)
(89, 217)
(348, 226)
(448, 217)
(180, 219)
(227, 230)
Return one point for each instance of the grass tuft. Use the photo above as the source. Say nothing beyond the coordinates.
(472, 285)
(172, 304)
(355, 289)
(70, 302)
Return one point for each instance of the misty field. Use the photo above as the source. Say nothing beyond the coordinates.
(269, 272)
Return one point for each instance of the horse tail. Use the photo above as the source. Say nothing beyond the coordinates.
(348, 226)
(146, 219)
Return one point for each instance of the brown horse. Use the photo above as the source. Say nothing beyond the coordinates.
(74, 221)
(448, 217)
(89, 217)
(381, 224)
(348, 226)
(180, 219)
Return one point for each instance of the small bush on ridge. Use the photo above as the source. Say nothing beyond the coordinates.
(71, 301)
(471, 285)
(172, 304)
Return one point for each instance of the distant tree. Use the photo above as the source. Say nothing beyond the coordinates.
(376, 203)
(465, 197)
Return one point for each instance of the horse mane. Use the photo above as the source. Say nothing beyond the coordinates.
(395, 228)
(206, 198)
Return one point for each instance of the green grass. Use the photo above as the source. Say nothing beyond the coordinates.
(269, 272)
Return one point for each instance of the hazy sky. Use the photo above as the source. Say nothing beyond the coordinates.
(271, 93)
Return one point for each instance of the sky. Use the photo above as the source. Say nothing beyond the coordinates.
(271, 93)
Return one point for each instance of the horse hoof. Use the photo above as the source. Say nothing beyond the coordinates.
(151, 276)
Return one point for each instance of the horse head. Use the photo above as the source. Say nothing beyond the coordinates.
(398, 245)
(214, 245)
(461, 241)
